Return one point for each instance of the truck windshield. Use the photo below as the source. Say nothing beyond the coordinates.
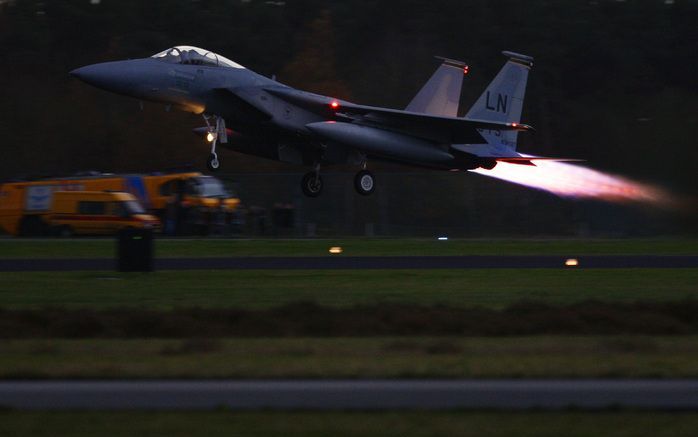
(133, 207)
(210, 187)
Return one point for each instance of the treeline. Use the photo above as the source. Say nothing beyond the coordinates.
(613, 83)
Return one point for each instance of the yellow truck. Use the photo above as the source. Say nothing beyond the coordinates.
(96, 213)
(187, 201)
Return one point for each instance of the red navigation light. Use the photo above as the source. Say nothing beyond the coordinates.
(466, 69)
(514, 124)
(334, 104)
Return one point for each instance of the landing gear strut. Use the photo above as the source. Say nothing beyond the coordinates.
(213, 136)
(312, 184)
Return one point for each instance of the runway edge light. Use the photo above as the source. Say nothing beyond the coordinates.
(335, 249)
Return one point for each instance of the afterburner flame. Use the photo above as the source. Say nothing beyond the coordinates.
(569, 180)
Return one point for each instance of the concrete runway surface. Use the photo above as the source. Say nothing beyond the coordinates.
(364, 262)
(350, 394)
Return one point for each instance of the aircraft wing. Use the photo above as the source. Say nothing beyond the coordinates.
(443, 129)
(431, 127)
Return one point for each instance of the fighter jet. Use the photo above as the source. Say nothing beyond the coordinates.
(252, 114)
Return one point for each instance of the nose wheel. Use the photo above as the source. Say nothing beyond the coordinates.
(212, 162)
(364, 182)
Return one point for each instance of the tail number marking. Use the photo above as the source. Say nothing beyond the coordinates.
(501, 104)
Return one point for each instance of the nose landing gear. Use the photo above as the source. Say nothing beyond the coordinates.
(215, 134)
(212, 162)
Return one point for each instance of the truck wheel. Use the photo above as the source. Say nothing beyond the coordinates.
(32, 226)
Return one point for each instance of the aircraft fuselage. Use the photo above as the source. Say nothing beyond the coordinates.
(256, 115)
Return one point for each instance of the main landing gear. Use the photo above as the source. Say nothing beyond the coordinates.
(312, 184)
(364, 182)
(215, 133)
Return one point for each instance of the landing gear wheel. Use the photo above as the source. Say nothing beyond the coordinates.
(364, 182)
(213, 163)
(312, 184)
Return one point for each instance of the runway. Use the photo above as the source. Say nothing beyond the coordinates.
(350, 394)
(364, 262)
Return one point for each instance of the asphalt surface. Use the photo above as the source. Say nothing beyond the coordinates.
(351, 394)
(364, 262)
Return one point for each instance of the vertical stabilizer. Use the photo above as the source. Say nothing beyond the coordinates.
(503, 99)
(441, 94)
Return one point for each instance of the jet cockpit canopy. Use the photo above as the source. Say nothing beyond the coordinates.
(188, 55)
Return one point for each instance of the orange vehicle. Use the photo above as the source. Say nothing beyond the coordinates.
(198, 200)
(96, 213)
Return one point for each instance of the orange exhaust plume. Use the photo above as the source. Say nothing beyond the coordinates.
(574, 181)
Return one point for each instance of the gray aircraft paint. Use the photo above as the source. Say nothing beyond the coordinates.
(383, 143)
(502, 101)
(271, 120)
(441, 94)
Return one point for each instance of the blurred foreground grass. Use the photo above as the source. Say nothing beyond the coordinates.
(404, 424)
(105, 248)
(494, 288)
(391, 357)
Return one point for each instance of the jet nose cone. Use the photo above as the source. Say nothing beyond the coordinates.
(78, 72)
(97, 75)
(120, 77)
(145, 79)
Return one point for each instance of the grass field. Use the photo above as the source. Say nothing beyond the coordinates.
(541, 356)
(403, 424)
(96, 248)
(264, 289)
(412, 357)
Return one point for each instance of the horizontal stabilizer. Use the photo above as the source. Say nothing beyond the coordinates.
(516, 161)
(530, 160)
(503, 154)
(544, 158)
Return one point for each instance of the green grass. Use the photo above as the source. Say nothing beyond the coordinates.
(262, 289)
(403, 424)
(393, 357)
(90, 248)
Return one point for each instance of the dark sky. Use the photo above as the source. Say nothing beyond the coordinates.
(613, 82)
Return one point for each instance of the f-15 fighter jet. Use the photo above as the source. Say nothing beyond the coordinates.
(256, 115)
